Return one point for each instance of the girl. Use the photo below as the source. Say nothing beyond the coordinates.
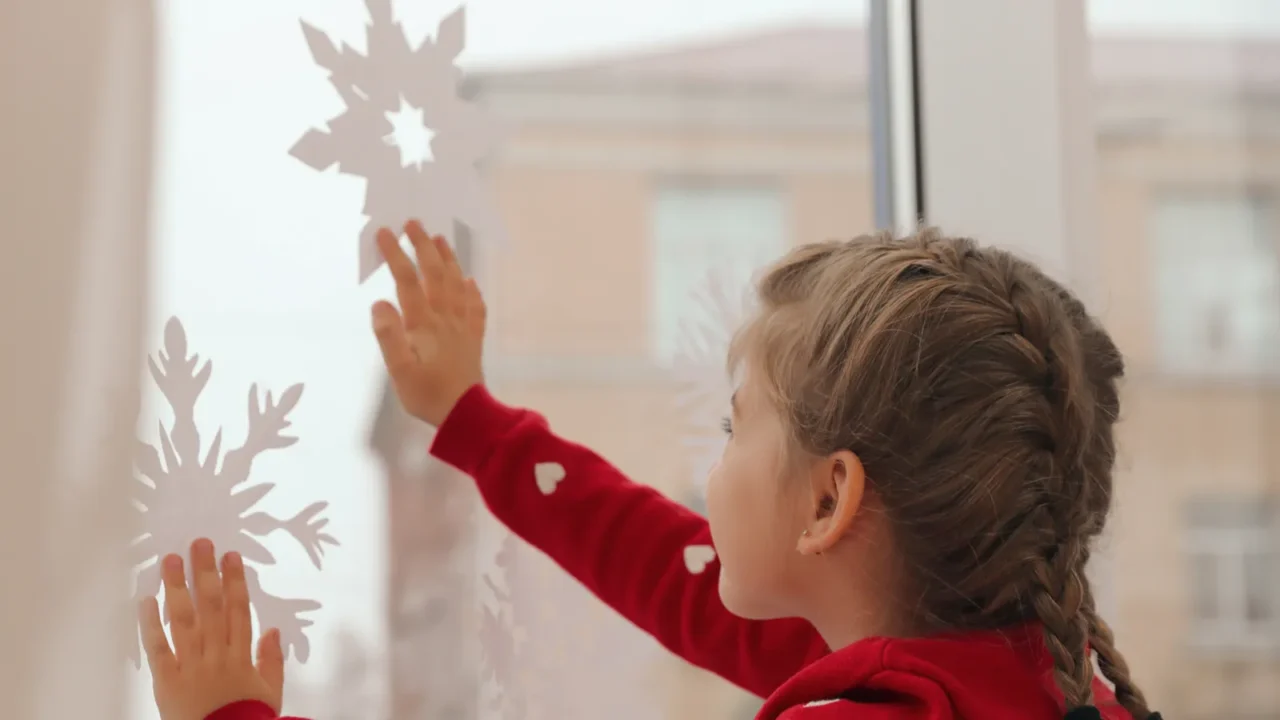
(919, 459)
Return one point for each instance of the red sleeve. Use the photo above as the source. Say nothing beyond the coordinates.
(247, 710)
(647, 557)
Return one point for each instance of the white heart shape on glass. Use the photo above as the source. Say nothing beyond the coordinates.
(696, 558)
(548, 475)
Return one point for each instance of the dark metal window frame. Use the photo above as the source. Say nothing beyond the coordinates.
(896, 129)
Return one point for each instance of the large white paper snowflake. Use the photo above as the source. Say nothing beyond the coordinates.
(525, 636)
(501, 639)
(703, 387)
(182, 496)
(541, 631)
(384, 90)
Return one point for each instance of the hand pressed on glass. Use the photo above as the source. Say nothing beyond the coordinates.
(209, 664)
(432, 345)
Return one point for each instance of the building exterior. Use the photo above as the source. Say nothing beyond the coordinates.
(1189, 158)
(632, 178)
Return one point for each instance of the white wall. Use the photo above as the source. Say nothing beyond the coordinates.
(75, 98)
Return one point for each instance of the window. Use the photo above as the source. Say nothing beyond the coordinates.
(1232, 556)
(767, 97)
(1218, 284)
(706, 230)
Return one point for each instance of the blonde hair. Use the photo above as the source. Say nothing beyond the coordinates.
(981, 398)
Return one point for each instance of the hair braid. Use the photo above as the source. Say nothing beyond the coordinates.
(1112, 663)
(991, 444)
(1080, 365)
(1061, 587)
(1058, 603)
(1103, 366)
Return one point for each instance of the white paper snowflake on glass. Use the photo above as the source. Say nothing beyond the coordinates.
(182, 495)
(541, 631)
(500, 638)
(406, 131)
(703, 387)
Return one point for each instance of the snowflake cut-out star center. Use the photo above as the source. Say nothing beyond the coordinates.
(410, 133)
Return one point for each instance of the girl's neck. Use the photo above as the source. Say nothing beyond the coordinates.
(865, 604)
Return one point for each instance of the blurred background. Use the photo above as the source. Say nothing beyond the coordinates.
(660, 152)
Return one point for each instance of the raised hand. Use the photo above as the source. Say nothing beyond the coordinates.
(432, 345)
(209, 664)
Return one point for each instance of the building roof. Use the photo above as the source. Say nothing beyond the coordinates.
(1247, 65)
(816, 56)
(835, 57)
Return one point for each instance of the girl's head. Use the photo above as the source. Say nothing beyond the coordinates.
(926, 421)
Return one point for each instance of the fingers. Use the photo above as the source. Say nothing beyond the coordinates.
(159, 655)
(474, 304)
(448, 260)
(408, 284)
(432, 265)
(454, 287)
(235, 593)
(182, 614)
(441, 279)
(210, 612)
(270, 661)
(393, 340)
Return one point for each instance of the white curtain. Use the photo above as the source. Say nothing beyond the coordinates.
(76, 106)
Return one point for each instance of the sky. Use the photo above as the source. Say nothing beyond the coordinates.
(256, 253)
(505, 32)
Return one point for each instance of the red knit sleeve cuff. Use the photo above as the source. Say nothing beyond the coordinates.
(475, 425)
(244, 710)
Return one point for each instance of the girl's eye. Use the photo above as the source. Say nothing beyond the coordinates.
(727, 426)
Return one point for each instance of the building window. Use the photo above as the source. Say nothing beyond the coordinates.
(1232, 553)
(1218, 284)
(706, 229)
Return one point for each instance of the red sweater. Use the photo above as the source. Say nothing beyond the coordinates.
(247, 710)
(628, 544)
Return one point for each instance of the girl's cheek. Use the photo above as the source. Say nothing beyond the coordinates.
(714, 490)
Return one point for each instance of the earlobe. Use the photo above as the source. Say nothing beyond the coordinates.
(839, 484)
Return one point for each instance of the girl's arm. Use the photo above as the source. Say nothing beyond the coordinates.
(645, 556)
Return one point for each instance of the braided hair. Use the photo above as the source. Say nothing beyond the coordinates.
(981, 398)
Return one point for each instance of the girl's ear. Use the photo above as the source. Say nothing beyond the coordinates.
(837, 484)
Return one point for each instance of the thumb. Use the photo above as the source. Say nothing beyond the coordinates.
(397, 354)
(270, 662)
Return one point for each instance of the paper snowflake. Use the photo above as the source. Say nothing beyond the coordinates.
(500, 639)
(182, 496)
(384, 90)
(541, 631)
(521, 631)
(703, 387)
